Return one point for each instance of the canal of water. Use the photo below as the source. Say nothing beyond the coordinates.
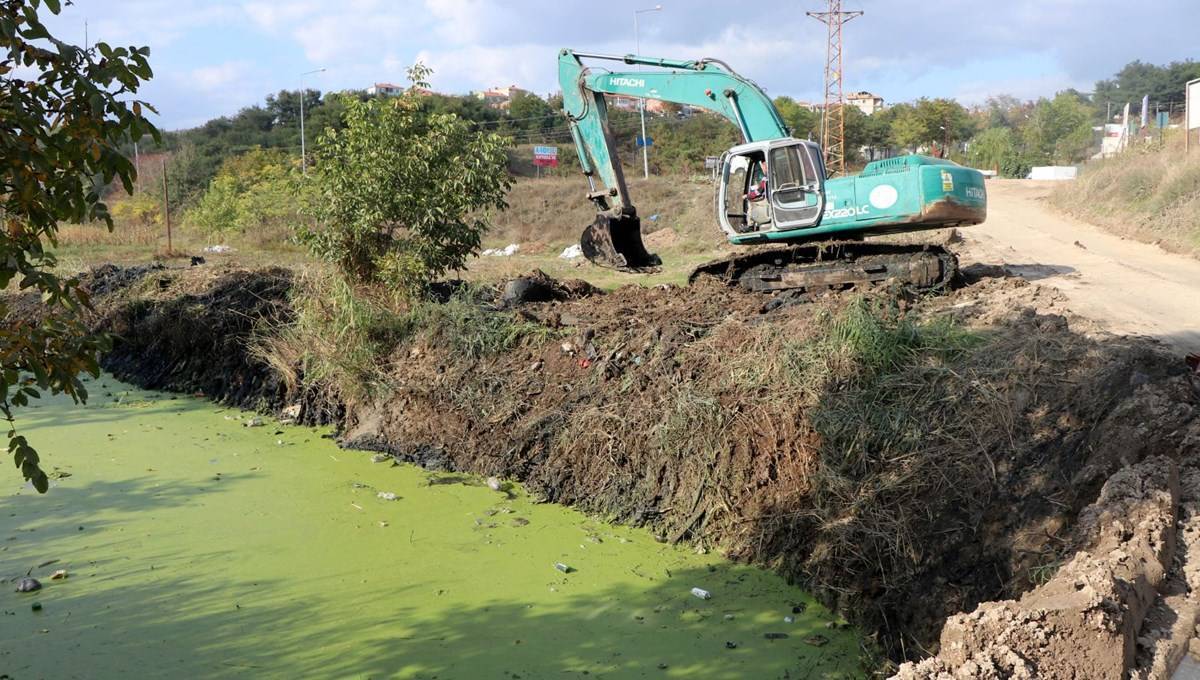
(197, 547)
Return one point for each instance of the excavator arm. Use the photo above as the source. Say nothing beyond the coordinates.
(614, 239)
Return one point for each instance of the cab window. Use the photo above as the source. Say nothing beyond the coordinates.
(791, 171)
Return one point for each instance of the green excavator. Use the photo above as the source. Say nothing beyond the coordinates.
(772, 189)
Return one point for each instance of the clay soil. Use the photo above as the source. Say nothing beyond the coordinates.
(1010, 453)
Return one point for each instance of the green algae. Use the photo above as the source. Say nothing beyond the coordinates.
(198, 547)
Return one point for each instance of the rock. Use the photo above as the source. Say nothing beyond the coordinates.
(816, 640)
(28, 584)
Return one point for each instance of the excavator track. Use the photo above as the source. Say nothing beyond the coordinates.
(835, 266)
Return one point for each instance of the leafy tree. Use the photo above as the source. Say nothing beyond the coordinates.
(61, 131)
(530, 112)
(803, 121)
(1138, 79)
(933, 123)
(993, 147)
(253, 192)
(1059, 129)
(402, 194)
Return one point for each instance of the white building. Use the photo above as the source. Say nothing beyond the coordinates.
(866, 102)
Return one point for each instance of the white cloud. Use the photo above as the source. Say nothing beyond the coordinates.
(220, 76)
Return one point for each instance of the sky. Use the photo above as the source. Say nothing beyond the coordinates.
(214, 57)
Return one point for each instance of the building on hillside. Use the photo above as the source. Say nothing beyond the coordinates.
(866, 102)
(500, 97)
(385, 89)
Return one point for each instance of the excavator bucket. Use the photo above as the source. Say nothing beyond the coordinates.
(616, 243)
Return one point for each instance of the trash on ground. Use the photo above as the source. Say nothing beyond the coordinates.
(571, 252)
(507, 251)
(218, 249)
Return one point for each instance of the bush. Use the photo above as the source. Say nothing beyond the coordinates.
(402, 194)
(258, 191)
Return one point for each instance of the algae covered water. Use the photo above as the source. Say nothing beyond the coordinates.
(197, 547)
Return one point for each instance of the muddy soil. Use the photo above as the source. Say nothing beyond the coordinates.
(672, 408)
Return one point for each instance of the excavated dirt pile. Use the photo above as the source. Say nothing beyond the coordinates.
(908, 459)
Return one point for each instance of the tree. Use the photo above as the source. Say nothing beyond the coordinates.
(803, 121)
(1059, 129)
(992, 148)
(402, 194)
(530, 112)
(933, 123)
(61, 132)
(1137, 79)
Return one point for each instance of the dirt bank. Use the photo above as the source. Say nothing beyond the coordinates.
(908, 459)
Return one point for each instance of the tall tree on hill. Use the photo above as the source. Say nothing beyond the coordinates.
(61, 132)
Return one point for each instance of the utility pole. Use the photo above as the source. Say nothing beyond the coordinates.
(642, 101)
(303, 155)
(833, 119)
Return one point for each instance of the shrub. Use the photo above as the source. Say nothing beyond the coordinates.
(402, 194)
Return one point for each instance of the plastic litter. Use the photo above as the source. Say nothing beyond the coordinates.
(702, 593)
(387, 495)
(571, 252)
(507, 251)
(218, 249)
(563, 568)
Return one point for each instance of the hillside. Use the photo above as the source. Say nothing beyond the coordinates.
(1151, 195)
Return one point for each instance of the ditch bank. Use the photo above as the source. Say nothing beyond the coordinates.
(905, 459)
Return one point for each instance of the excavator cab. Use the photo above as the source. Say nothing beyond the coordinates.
(771, 186)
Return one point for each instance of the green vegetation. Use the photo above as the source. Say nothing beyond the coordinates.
(344, 336)
(258, 192)
(401, 195)
(1150, 194)
(58, 134)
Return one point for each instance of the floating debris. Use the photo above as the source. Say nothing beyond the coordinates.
(380, 457)
(28, 584)
(563, 568)
(58, 575)
(775, 636)
(702, 593)
(816, 640)
(387, 496)
(253, 422)
(494, 483)
(730, 644)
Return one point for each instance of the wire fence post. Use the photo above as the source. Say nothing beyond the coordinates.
(166, 206)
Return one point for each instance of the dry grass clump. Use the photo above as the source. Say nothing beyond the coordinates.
(1150, 194)
(345, 337)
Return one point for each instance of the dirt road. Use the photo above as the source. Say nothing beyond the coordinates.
(1126, 286)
